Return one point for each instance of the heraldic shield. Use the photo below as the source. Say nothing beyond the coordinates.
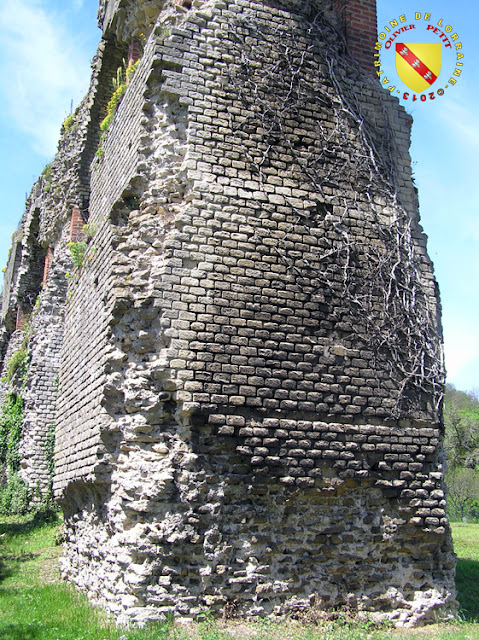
(418, 64)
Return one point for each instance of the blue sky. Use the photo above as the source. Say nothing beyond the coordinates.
(445, 151)
(45, 51)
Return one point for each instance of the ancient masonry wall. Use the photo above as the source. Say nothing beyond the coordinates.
(258, 428)
(35, 285)
(250, 372)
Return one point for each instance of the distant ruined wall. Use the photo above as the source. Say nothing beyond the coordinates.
(34, 296)
(248, 414)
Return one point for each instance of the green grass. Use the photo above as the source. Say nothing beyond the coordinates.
(36, 605)
(466, 545)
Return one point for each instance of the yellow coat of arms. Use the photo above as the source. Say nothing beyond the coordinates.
(418, 64)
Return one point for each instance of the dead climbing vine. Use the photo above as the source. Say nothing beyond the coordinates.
(366, 266)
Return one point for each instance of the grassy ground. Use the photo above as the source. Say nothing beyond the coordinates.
(35, 605)
(466, 545)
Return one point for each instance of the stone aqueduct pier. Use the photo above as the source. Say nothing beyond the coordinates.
(243, 368)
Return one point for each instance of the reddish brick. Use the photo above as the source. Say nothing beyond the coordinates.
(361, 29)
(46, 268)
(76, 225)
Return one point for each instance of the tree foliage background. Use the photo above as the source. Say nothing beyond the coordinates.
(461, 420)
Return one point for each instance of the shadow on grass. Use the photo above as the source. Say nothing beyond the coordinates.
(5, 572)
(35, 521)
(7, 569)
(8, 530)
(22, 632)
(467, 584)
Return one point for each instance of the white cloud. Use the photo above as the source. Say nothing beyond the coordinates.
(461, 351)
(462, 121)
(41, 71)
(473, 228)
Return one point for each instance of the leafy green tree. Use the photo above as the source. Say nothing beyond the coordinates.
(461, 419)
(463, 485)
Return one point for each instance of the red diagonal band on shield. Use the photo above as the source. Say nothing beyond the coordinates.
(412, 59)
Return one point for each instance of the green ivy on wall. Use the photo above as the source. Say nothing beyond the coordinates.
(11, 418)
(49, 447)
(14, 493)
(18, 363)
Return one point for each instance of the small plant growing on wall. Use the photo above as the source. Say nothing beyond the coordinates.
(18, 363)
(89, 230)
(120, 83)
(47, 175)
(101, 150)
(123, 76)
(68, 122)
(78, 251)
(17, 366)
